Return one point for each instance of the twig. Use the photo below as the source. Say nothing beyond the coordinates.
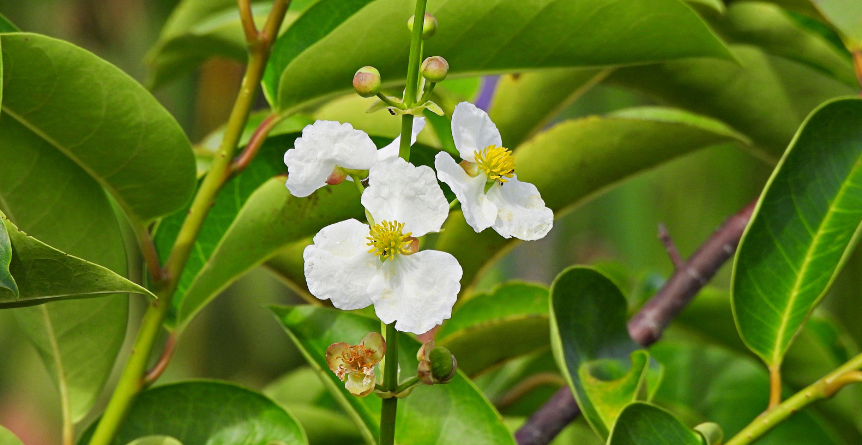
(669, 246)
(253, 147)
(167, 353)
(247, 19)
(646, 327)
(857, 64)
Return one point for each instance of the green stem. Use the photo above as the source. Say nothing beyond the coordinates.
(390, 383)
(133, 381)
(406, 136)
(822, 389)
(407, 384)
(410, 93)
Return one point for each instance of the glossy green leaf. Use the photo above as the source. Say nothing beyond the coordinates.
(644, 424)
(551, 34)
(846, 17)
(78, 340)
(155, 440)
(710, 6)
(522, 385)
(762, 96)
(7, 281)
(207, 412)
(492, 328)
(44, 274)
(604, 367)
(599, 152)
(439, 414)
(777, 33)
(525, 103)
(6, 25)
(715, 384)
(8, 438)
(59, 94)
(801, 231)
(202, 29)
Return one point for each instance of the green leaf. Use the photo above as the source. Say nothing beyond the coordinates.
(199, 30)
(709, 6)
(45, 274)
(644, 424)
(846, 17)
(728, 388)
(207, 412)
(596, 151)
(7, 281)
(777, 33)
(492, 328)
(762, 96)
(801, 231)
(604, 367)
(155, 440)
(439, 414)
(6, 25)
(525, 103)
(78, 340)
(476, 37)
(8, 438)
(59, 94)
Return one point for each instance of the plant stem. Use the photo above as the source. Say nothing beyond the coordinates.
(774, 386)
(857, 64)
(821, 389)
(253, 147)
(390, 382)
(410, 93)
(133, 381)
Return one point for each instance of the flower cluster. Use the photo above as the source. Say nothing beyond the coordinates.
(354, 264)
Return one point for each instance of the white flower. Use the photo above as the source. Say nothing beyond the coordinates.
(491, 194)
(355, 265)
(323, 147)
(391, 150)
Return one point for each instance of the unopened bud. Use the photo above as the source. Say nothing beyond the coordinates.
(429, 26)
(337, 176)
(366, 81)
(413, 247)
(435, 69)
(436, 364)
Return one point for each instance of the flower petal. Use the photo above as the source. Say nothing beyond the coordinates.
(391, 150)
(338, 266)
(323, 146)
(375, 342)
(333, 355)
(359, 384)
(521, 212)
(417, 291)
(400, 191)
(479, 211)
(473, 130)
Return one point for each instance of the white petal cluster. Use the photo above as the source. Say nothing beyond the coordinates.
(512, 208)
(415, 291)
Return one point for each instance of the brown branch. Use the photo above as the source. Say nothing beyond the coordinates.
(162, 363)
(253, 147)
(669, 246)
(857, 64)
(648, 324)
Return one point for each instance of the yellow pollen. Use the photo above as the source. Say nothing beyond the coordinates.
(497, 162)
(387, 240)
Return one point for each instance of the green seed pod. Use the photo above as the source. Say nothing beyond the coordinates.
(435, 69)
(429, 26)
(366, 81)
(443, 364)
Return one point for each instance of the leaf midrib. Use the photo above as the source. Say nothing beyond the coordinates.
(782, 327)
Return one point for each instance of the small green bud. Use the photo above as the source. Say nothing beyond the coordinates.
(429, 26)
(436, 364)
(366, 81)
(435, 69)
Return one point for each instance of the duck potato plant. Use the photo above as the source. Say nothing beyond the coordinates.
(433, 222)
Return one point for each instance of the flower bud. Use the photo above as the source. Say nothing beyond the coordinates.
(436, 364)
(429, 26)
(435, 69)
(366, 81)
(337, 176)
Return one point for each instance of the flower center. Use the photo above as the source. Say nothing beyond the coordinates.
(387, 240)
(357, 358)
(497, 162)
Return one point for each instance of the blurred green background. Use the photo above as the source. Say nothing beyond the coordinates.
(237, 339)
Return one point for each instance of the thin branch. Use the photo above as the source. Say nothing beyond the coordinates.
(253, 147)
(148, 251)
(857, 64)
(247, 19)
(669, 246)
(647, 326)
(164, 359)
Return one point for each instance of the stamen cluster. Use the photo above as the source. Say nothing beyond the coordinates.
(387, 240)
(497, 162)
(356, 357)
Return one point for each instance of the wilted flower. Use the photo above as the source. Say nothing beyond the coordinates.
(355, 363)
(486, 184)
(354, 264)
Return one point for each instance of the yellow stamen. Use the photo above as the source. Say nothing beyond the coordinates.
(497, 162)
(387, 240)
